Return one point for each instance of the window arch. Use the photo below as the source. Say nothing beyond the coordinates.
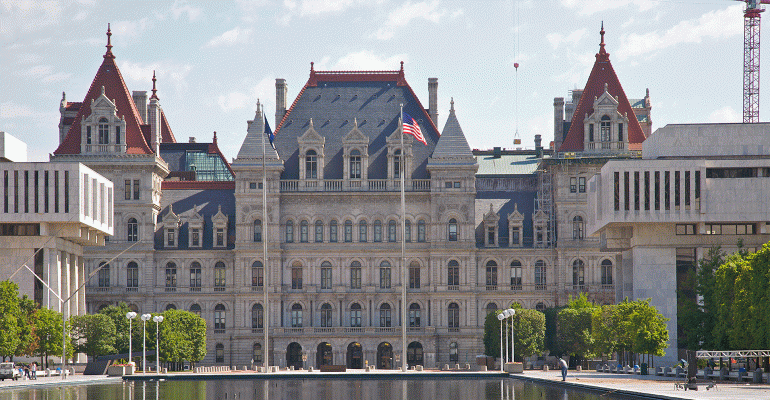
(414, 275)
(348, 231)
(195, 309)
(132, 275)
(515, 275)
(492, 307)
(303, 231)
(453, 275)
(104, 275)
(578, 228)
(604, 128)
(104, 131)
(414, 315)
(355, 164)
(421, 231)
(326, 315)
(289, 231)
(606, 272)
(132, 230)
(578, 273)
(219, 318)
(171, 306)
(363, 227)
(540, 275)
(491, 275)
(377, 230)
(392, 230)
(453, 316)
(296, 315)
(257, 230)
(170, 276)
(257, 275)
(220, 273)
(452, 230)
(355, 315)
(540, 306)
(257, 316)
(195, 276)
(311, 165)
(319, 231)
(385, 315)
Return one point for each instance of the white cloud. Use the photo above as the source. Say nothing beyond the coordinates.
(725, 114)
(712, 25)
(572, 38)
(28, 16)
(365, 60)
(403, 15)
(233, 101)
(264, 91)
(45, 74)
(579, 67)
(181, 7)
(589, 7)
(318, 8)
(232, 37)
(140, 75)
(130, 29)
(81, 15)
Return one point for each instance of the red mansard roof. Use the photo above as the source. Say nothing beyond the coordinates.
(601, 74)
(109, 77)
(165, 130)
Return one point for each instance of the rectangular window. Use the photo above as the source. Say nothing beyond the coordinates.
(582, 184)
(647, 190)
(453, 276)
(490, 235)
(491, 277)
(117, 135)
(319, 233)
(66, 191)
(573, 185)
(448, 184)
(289, 232)
(37, 193)
(636, 190)
(196, 237)
(657, 190)
(617, 191)
(677, 186)
(257, 276)
(362, 228)
(377, 231)
(128, 189)
(667, 190)
(730, 229)
(626, 190)
(85, 195)
(408, 230)
(384, 278)
(326, 278)
(421, 231)
(88, 135)
(170, 235)
(697, 185)
(355, 278)
(687, 189)
(136, 189)
(457, 185)
(132, 277)
(590, 132)
(620, 132)
(333, 232)
(392, 231)
(220, 237)
(348, 232)
(26, 191)
(414, 277)
(303, 232)
(515, 236)
(170, 277)
(16, 191)
(5, 191)
(296, 278)
(685, 229)
(45, 193)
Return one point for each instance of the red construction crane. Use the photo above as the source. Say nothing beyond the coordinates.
(751, 18)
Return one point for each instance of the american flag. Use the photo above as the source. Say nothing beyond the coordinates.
(410, 127)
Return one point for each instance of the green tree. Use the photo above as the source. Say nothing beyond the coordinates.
(724, 297)
(183, 337)
(9, 313)
(48, 333)
(118, 316)
(605, 330)
(93, 334)
(492, 334)
(650, 334)
(528, 333)
(759, 296)
(27, 338)
(574, 327)
(705, 286)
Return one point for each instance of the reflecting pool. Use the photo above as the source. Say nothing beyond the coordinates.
(311, 389)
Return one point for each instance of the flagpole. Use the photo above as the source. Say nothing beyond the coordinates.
(402, 171)
(265, 269)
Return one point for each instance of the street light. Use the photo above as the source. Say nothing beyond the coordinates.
(505, 314)
(511, 312)
(501, 317)
(145, 318)
(130, 315)
(158, 319)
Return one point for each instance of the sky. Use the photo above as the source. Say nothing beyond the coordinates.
(214, 59)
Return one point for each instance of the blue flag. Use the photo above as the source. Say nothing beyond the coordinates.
(270, 134)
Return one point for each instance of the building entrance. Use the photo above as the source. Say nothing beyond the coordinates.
(385, 356)
(355, 356)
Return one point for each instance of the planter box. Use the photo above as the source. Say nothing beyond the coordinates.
(120, 370)
(514, 368)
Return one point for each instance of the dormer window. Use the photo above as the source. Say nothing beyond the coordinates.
(104, 131)
(171, 223)
(311, 165)
(171, 237)
(355, 164)
(219, 222)
(620, 132)
(397, 164)
(605, 128)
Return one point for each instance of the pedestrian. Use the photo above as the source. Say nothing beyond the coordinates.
(563, 365)
(34, 370)
(26, 372)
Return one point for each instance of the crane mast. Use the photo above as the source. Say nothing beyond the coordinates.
(751, 35)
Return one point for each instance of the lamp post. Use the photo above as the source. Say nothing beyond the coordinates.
(130, 315)
(511, 312)
(145, 318)
(158, 319)
(501, 317)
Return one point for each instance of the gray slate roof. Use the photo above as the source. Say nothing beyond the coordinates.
(207, 202)
(333, 102)
(253, 146)
(452, 143)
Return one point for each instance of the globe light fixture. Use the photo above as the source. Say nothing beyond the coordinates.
(158, 319)
(130, 315)
(501, 317)
(145, 318)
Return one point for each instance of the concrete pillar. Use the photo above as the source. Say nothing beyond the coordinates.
(433, 99)
(281, 89)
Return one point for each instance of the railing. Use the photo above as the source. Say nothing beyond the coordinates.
(257, 330)
(339, 185)
(195, 289)
(256, 288)
(491, 287)
(102, 289)
(219, 289)
(421, 185)
(453, 287)
(171, 289)
(295, 331)
(516, 286)
(541, 286)
(219, 331)
(132, 289)
(333, 185)
(378, 184)
(354, 330)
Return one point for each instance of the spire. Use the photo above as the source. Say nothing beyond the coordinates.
(109, 44)
(452, 105)
(602, 55)
(154, 90)
(215, 138)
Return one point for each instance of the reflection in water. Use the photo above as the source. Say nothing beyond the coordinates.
(309, 389)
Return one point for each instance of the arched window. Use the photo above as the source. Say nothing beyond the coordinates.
(491, 275)
(170, 276)
(132, 275)
(421, 231)
(257, 315)
(378, 230)
(578, 274)
(355, 315)
(333, 231)
(219, 276)
(491, 307)
(219, 318)
(311, 165)
(296, 275)
(303, 231)
(289, 231)
(453, 275)
(104, 131)
(257, 230)
(326, 275)
(195, 309)
(515, 275)
(348, 231)
(604, 128)
(104, 275)
(453, 316)
(326, 315)
(296, 315)
(132, 230)
(606, 272)
(385, 275)
(414, 315)
(391, 231)
(414, 275)
(256, 353)
(408, 230)
(577, 228)
(355, 164)
(362, 229)
(385, 316)
(452, 230)
(319, 231)
(171, 307)
(540, 306)
(540, 275)
(397, 164)
(220, 353)
(257, 275)
(355, 275)
(195, 276)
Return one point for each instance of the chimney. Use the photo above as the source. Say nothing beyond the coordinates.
(280, 100)
(497, 152)
(433, 99)
(538, 146)
(558, 122)
(140, 99)
(192, 139)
